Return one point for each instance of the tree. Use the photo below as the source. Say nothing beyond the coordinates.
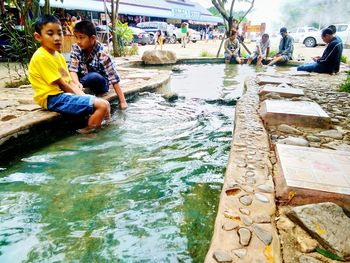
(228, 16)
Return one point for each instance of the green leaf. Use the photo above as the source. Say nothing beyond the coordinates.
(328, 254)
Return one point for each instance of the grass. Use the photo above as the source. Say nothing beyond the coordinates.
(345, 87)
(16, 83)
(344, 58)
(206, 54)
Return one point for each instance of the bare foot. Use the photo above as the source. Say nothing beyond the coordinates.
(123, 105)
(86, 130)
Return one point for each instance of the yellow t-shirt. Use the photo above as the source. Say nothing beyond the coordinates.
(45, 68)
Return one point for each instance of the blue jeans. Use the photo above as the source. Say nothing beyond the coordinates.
(71, 104)
(313, 67)
(95, 82)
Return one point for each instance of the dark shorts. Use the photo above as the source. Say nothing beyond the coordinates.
(229, 57)
(67, 103)
(95, 83)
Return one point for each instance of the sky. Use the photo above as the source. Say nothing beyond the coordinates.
(264, 11)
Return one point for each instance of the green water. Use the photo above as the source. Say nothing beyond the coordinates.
(143, 189)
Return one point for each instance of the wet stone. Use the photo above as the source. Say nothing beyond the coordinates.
(262, 198)
(264, 235)
(265, 188)
(247, 188)
(246, 220)
(244, 211)
(250, 174)
(262, 219)
(312, 138)
(244, 236)
(222, 256)
(241, 253)
(246, 200)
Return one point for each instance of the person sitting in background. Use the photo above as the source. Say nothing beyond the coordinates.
(285, 50)
(261, 52)
(158, 39)
(330, 60)
(231, 47)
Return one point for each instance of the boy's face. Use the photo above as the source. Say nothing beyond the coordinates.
(233, 36)
(327, 38)
(50, 37)
(84, 41)
(265, 38)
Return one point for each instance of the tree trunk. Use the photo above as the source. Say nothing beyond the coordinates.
(47, 8)
(115, 40)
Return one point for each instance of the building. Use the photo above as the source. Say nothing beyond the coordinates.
(134, 11)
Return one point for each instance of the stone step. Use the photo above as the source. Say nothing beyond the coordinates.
(299, 113)
(286, 92)
(311, 175)
(264, 79)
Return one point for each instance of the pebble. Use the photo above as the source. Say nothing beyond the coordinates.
(246, 200)
(233, 191)
(312, 138)
(240, 252)
(247, 188)
(244, 211)
(298, 141)
(246, 220)
(265, 188)
(262, 198)
(250, 174)
(244, 236)
(229, 225)
(332, 134)
(222, 256)
(264, 235)
(288, 129)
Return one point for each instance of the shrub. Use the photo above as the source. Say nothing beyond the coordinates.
(206, 54)
(133, 50)
(344, 58)
(124, 35)
(346, 85)
(273, 53)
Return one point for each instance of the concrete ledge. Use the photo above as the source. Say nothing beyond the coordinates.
(37, 128)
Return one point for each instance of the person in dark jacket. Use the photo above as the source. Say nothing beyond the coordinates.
(330, 60)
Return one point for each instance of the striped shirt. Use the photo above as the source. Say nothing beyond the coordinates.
(98, 61)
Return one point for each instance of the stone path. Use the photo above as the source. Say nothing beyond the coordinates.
(244, 227)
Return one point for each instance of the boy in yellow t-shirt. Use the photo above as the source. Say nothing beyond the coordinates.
(51, 81)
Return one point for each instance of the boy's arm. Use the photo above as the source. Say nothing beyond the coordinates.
(237, 48)
(66, 87)
(226, 47)
(75, 79)
(267, 52)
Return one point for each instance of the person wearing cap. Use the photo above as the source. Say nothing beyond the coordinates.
(285, 50)
(331, 58)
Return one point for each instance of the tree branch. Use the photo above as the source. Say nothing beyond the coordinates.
(246, 13)
(221, 8)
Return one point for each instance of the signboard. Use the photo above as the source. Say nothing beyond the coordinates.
(185, 14)
(254, 28)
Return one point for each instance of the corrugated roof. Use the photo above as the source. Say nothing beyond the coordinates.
(186, 10)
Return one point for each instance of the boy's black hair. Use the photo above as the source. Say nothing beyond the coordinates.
(43, 20)
(265, 35)
(327, 31)
(333, 28)
(85, 27)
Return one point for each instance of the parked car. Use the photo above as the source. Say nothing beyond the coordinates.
(298, 33)
(140, 36)
(194, 35)
(152, 27)
(314, 38)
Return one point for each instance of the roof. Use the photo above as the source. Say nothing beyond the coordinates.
(178, 9)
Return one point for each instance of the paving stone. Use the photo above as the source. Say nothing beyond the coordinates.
(334, 145)
(244, 236)
(298, 141)
(312, 175)
(282, 91)
(244, 211)
(326, 223)
(246, 220)
(288, 129)
(222, 256)
(335, 134)
(298, 113)
(263, 234)
(263, 80)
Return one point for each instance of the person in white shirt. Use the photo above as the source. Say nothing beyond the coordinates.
(261, 52)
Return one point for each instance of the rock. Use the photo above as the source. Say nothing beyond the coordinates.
(312, 138)
(298, 141)
(170, 96)
(264, 235)
(5, 104)
(326, 223)
(244, 211)
(8, 117)
(337, 146)
(246, 220)
(288, 129)
(246, 200)
(159, 57)
(308, 259)
(262, 219)
(335, 134)
(240, 252)
(262, 198)
(306, 244)
(222, 256)
(244, 236)
(265, 188)
(229, 225)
